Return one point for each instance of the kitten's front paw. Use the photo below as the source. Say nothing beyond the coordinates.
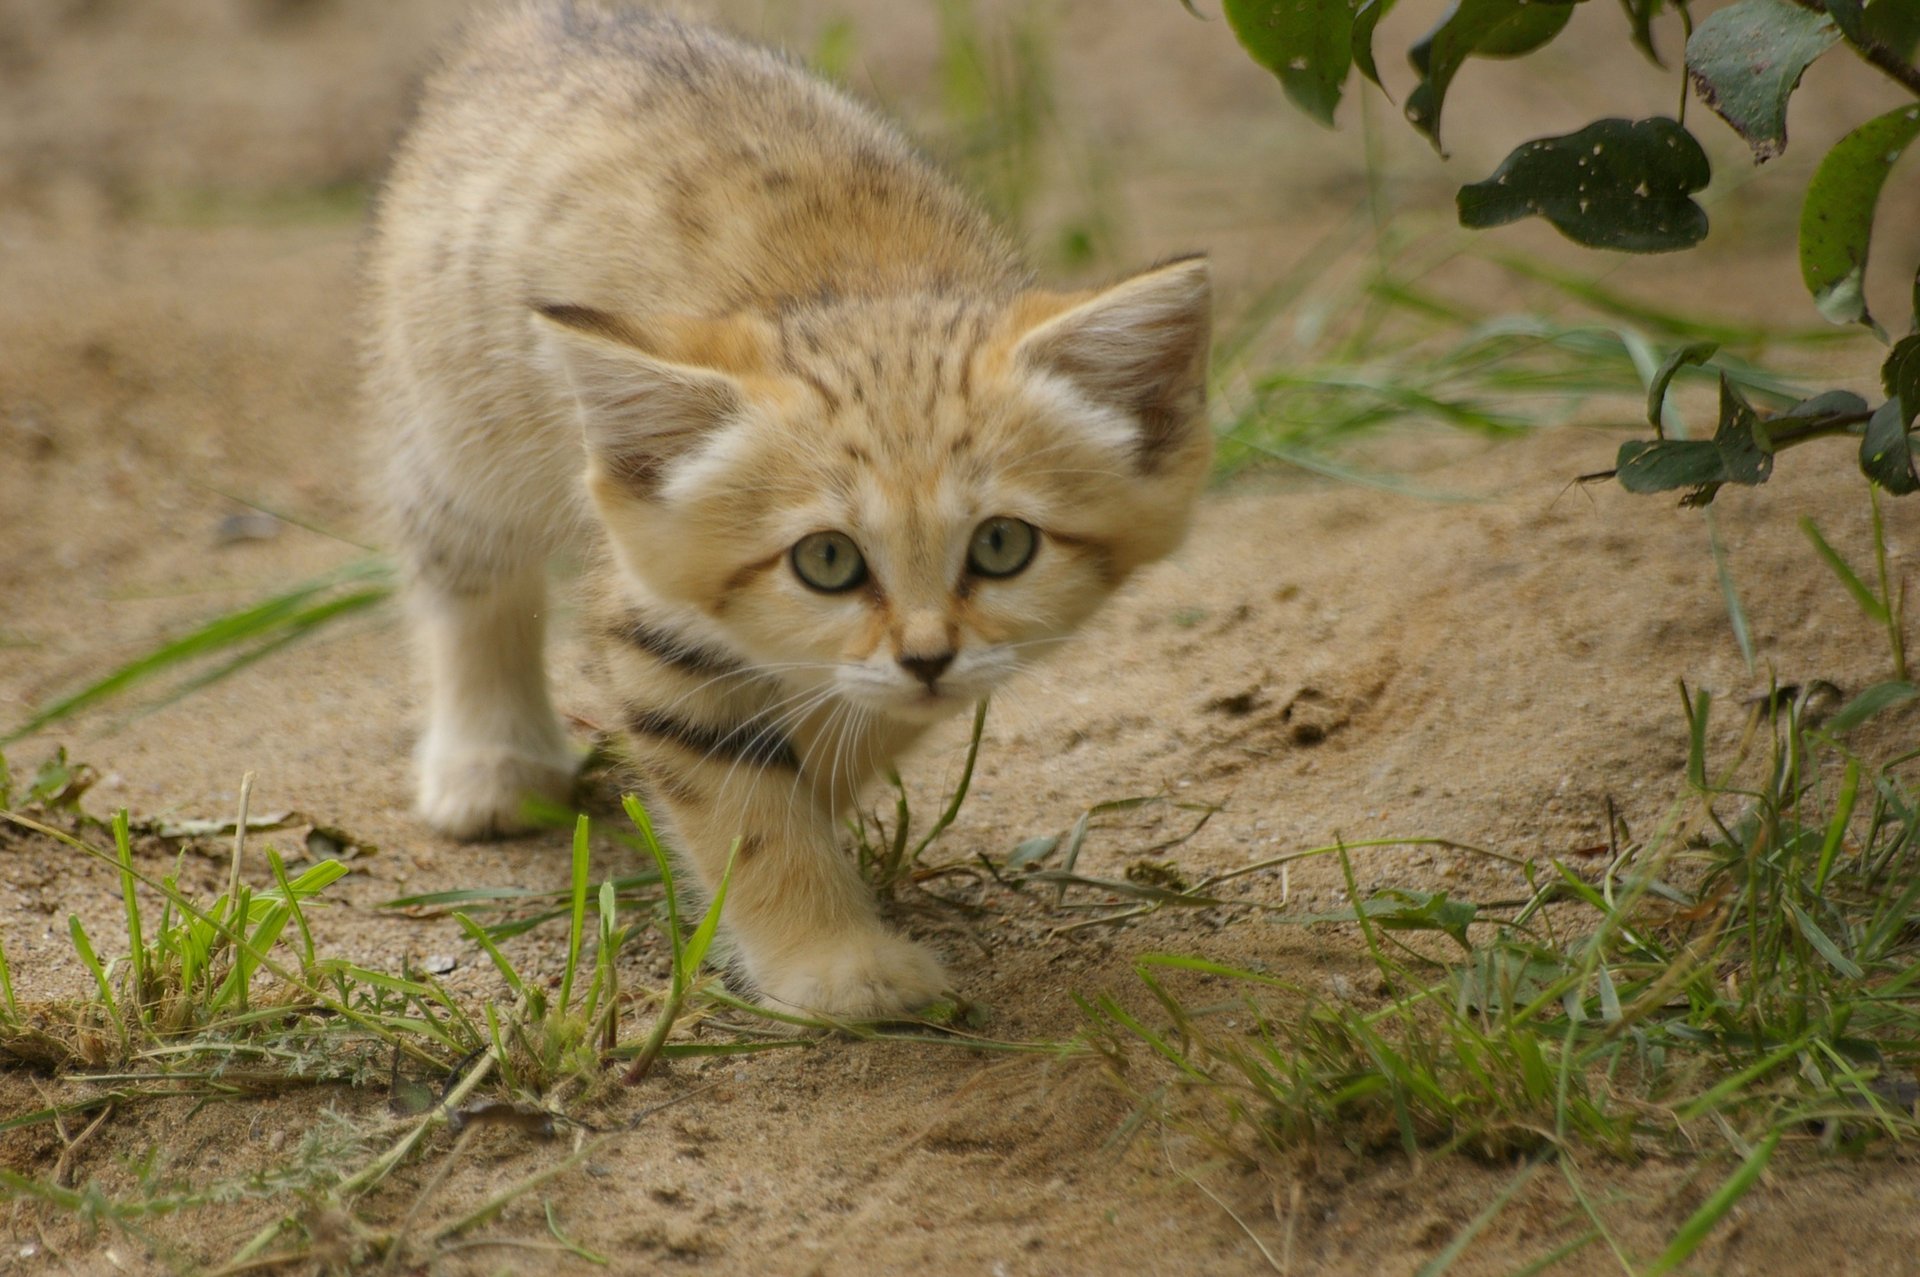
(483, 794)
(862, 977)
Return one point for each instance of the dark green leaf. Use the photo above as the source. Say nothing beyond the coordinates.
(1489, 28)
(1900, 375)
(1895, 25)
(1879, 697)
(1308, 44)
(1365, 19)
(1836, 222)
(1737, 453)
(1641, 13)
(1886, 451)
(1747, 59)
(1831, 403)
(1619, 184)
(1848, 16)
(1694, 353)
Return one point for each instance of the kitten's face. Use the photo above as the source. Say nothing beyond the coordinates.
(902, 506)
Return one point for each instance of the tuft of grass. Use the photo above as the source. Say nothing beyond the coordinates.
(1748, 977)
(889, 856)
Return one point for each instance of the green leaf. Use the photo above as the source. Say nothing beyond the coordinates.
(1836, 221)
(1365, 19)
(1848, 15)
(1693, 353)
(1307, 44)
(1900, 375)
(1398, 909)
(1619, 184)
(1737, 453)
(1828, 403)
(1886, 450)
(1895, 25)
(1879, 697)
(1489, 28)
(1746, 60)
(1641, 14)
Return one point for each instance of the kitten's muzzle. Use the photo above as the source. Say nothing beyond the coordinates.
(927, 669)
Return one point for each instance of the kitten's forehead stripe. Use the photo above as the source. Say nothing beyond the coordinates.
(744, 575)
(820, 388)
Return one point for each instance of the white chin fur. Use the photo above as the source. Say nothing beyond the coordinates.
(925, 709)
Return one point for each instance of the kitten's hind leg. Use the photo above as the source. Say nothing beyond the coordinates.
(492, 740)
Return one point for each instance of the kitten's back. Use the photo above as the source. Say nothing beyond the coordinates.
(626, 159)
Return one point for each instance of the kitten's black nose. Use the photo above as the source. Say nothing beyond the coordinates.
(927, 669)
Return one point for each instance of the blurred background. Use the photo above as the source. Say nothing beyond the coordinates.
(183, 186)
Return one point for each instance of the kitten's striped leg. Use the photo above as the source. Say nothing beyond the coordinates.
(802, 922)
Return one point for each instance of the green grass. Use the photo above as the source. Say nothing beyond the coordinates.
(232, 997)
(1379, 328)
(1748, 976)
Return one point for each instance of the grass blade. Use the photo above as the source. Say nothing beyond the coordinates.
(1821, 941)
(478, 934)
(1872, 606)
(130, 906)
(1464, 1238)
(579, 916)
(696, 951)
(267, 620)
(1701, 1222)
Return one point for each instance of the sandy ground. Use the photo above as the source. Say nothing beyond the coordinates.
(178, 235)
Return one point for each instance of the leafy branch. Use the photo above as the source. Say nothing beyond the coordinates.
(1629, 185)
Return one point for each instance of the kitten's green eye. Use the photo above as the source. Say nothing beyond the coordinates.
(1001, 546)
(828, 561)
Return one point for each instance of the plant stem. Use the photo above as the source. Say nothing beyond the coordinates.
(948, 816)
(1895, 606)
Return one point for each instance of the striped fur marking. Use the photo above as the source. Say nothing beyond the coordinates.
(760, 744)
(674, 649)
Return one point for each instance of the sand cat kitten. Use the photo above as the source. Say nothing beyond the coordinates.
(642, 287)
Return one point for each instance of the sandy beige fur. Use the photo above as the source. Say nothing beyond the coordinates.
(643, 288)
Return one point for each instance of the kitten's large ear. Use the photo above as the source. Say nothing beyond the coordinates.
(1139, 347)
(640, 411)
